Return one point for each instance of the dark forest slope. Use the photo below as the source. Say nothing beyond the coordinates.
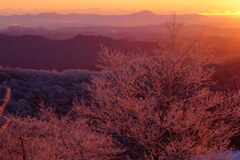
(79, 52)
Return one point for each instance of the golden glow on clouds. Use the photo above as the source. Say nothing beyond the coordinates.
(220, 6)
(222, 12)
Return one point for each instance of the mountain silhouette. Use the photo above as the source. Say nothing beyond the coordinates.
(144, 13)
(79, 52)
(56, 20)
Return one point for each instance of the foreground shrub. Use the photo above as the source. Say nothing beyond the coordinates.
(4, 121)
(161, 107)
(53, 138)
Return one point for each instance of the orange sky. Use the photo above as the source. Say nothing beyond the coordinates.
(154, 5)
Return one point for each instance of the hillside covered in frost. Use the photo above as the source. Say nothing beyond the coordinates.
(29, 87)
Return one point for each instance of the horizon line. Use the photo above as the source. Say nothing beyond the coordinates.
(95, 11)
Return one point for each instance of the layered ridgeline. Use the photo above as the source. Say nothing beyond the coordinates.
(76, 47)
(139, 33)
(79, 52)
(56, 20)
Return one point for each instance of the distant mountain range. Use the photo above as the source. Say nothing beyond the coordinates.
(55, 20)
(79, 52)
(153, 33)
(128, 33)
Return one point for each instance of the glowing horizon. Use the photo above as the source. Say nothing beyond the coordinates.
(222, 7)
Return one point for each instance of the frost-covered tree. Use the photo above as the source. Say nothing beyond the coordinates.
(161, 107)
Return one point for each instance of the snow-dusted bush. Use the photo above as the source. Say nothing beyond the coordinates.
(161, 107)
(52, 138)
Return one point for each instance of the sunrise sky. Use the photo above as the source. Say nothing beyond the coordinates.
(218, 6)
